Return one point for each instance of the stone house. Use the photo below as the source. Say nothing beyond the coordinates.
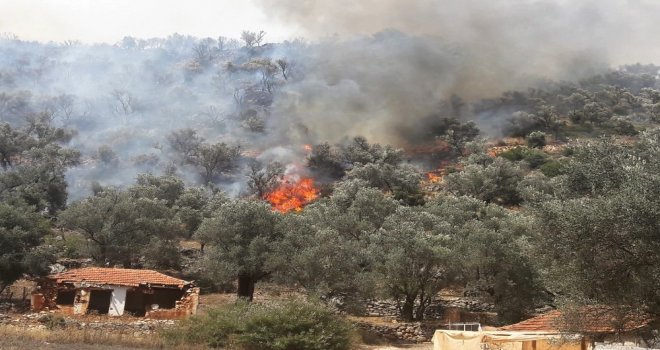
(116, 292)
(587, 328)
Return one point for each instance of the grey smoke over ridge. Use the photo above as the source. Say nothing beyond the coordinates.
(372, 68)
(620, 29)
(382, 65)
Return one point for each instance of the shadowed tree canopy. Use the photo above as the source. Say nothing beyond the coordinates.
(241, 235)
(600, 239)
(122, 224)
(21, 231)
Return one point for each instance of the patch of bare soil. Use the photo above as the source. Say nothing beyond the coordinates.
(37, 345)
(397, 347)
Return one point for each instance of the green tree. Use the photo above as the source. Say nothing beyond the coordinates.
(496, 182)
(216, 159)
(598, 236)
(402, 181)
(33, 166)
(21, 232)
(359, 151)
(331, 240)
(241, 235)
(414, 259)
(121, 225)
(492, 254)
(324, 161)
(536, 139)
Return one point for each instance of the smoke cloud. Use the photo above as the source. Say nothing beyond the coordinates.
(375, 68)
(384, 65)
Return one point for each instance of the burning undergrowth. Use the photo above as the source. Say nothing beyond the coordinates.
(293, 194)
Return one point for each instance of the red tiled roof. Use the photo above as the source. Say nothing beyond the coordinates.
(543, 323)
(588, 319)
(118, 277)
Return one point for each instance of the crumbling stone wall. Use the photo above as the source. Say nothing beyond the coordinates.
(44, 296)
(185, 307)
(462, 310)
(614, 346)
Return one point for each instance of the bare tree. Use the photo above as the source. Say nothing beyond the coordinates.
(213, 114)
(203, 52)
(222, 42)
(284, 67)
(267, 69)
(185, 142)
(264, 179)
(259, 37)
(124, 103)
(252, 39)
(239, 99)
(64, 106)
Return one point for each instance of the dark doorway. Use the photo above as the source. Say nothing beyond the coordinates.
(65, 297)
(135, 303)
(99, 301)
(164, 298)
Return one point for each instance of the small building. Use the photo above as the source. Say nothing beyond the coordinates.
(116, 292)
(594, 327)
(594, 324)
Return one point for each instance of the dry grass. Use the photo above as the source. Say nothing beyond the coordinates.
(190, 244)
(13, 337)
(19, 290)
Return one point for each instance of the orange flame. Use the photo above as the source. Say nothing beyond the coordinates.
(434, 177)
(308, 148)
(293, 195)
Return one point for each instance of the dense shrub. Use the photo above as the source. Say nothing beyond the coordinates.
(621, 126)
(52, 322)
(536, 139)
(552, 168)
(533, 157)
(295, 324)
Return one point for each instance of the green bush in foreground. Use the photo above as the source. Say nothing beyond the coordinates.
(291, 325)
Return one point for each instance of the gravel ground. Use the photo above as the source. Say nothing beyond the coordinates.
(36, 345)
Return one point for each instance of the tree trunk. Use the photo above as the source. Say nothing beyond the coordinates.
(423, 303)
(407, 308)
(245, 287)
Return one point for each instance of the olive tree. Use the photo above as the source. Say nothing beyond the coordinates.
(241, 235)
(414, 259)
(122, 225)
(21, 232)
(599, 241)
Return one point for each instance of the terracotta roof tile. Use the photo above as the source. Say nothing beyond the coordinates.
(543, 323)
(590, 319)
(119, 277)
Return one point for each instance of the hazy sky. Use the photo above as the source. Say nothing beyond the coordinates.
(111, 20)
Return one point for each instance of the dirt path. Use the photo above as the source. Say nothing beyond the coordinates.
(39, 345)
(397, 347)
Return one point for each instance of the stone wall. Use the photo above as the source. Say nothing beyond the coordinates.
(43, 320)
(616, 346)
(407, 332)
(184, 308)
(460, 310)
